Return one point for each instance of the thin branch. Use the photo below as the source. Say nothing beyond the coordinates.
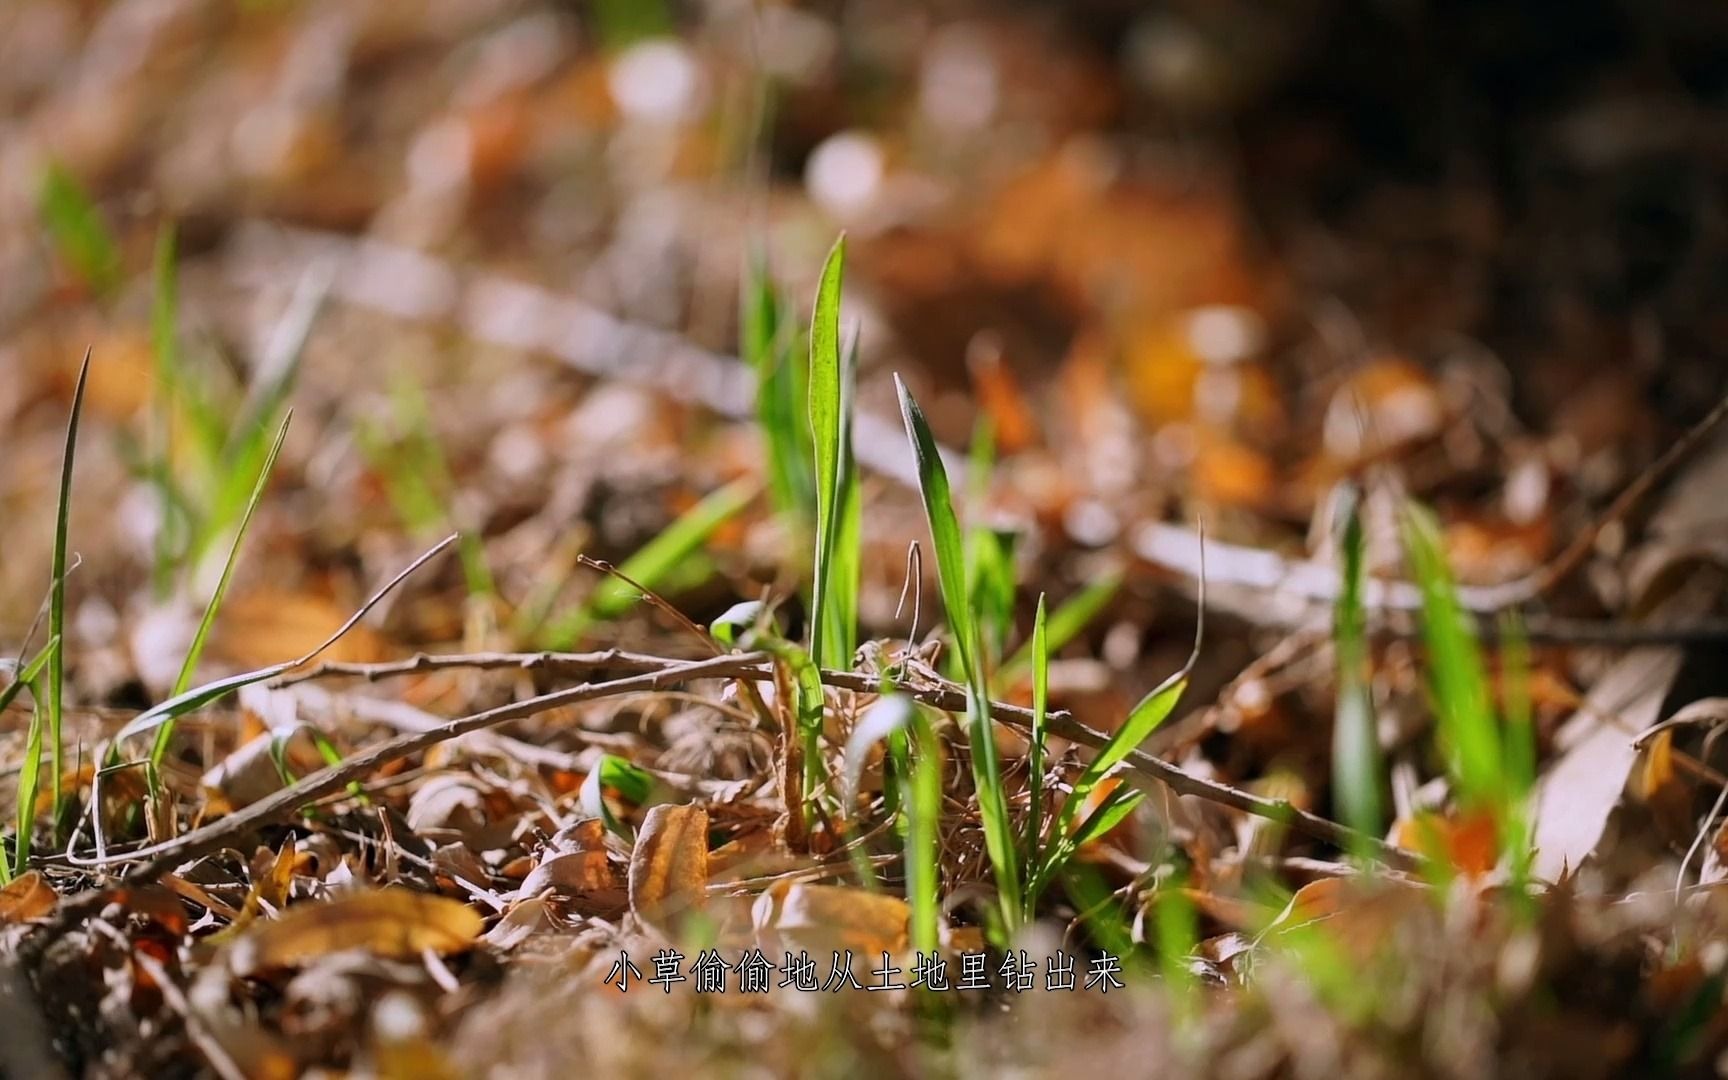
(947, 697)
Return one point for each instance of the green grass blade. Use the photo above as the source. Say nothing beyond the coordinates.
(945, 533)
(1151, 711)
(28, 674)
(1176, 927)
(1040, 646)
(781, 406)
(57, 595)
(827, 428)
(25, 809)
(193, 653)
(628, 780)
(1520, 756)
(923, 826)
(1357, 775)
(81, 237)
(1110, 813)
(999, 838)
(845, 554)
(1520, 719)
(990, 584)
(1456, 676)
(29, 777)
(1067, 622)
(1099, 910)
(654, 562)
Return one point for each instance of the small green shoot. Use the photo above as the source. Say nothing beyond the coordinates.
(29, 775)
(1067, 832)
(81, 237)
(1040, 647)
(946, 538)
(1491, 766)
(1357, 775)
(1458, 680)
(653, 564)
(630, 781)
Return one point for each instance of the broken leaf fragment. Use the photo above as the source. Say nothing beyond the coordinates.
(390, 922)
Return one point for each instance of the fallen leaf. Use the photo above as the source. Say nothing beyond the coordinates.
(388, 922)
(27, 897)
(669, 867)
(822, 918)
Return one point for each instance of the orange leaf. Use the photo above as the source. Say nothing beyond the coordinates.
(390, 922)
(826, 917)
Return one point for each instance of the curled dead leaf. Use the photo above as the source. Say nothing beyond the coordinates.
(27, 897)
(821, 918)
(669, 868)
(389, 922)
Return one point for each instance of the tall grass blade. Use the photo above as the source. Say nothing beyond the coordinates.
(196, 650)
(78, 231)
(1357, 775)
(845, 557)
(945, 535)
(828, 429)
(57, 594)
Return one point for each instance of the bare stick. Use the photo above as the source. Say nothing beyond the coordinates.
(946, 697)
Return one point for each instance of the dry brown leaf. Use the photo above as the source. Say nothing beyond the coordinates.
(27, 897)
(389, 922)
(669, 868)
(821, 918)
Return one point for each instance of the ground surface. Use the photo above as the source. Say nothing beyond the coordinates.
(1206, 266)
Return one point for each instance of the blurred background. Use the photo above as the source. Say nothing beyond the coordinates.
(1190, 260)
